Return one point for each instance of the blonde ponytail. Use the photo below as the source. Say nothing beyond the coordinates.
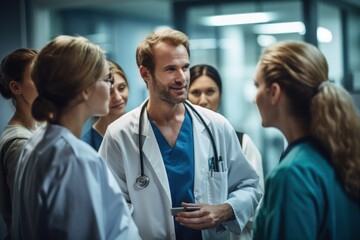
(336, 124)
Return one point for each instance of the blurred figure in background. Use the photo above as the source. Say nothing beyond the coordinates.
(205, 90)
(117, 106)
(205, 87)
(314, 192)
(63, 189)
(15, 84)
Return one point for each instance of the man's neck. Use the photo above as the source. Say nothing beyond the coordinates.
(163, 113)
(168, 118)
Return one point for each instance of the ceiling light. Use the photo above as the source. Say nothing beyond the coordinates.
(278, 28)
(236, 19)
(324, 35)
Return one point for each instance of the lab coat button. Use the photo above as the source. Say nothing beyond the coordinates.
(198, 197)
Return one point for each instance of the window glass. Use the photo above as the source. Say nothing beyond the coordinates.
(354, 50)
(234, 51)
(329, 36)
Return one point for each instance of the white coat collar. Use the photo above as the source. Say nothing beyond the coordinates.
(202, 149)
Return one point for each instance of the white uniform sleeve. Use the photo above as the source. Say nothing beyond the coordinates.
(253, 155)
(112, 154)
(243, 187)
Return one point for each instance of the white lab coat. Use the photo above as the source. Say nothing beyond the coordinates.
(238, 185)
(253, 155)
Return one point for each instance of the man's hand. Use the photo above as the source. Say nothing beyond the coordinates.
(209, 216)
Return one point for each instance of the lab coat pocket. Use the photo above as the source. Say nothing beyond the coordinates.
(215, 234)
(217, 187)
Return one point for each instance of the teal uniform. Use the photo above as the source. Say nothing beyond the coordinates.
(304, 199)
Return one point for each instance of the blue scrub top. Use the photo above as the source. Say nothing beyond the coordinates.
(93, 138)
(179, 164)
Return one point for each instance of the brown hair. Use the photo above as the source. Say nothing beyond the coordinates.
(12, 69)
(116, 69)
(64, 67)
(205, 70)
(144, 53)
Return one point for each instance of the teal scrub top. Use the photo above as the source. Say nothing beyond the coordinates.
(304, 199)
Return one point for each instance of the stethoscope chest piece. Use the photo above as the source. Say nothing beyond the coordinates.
(142, 181)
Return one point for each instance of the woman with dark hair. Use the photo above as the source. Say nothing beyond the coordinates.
(314, 192)
(205, 86)
(15, 84)
(63, 189)
(205, 90)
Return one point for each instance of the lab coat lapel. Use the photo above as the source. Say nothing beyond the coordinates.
(202, 149)
(152, 155)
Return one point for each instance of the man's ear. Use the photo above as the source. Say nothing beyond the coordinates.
(15, 88)
(276, 92)
(144, 73)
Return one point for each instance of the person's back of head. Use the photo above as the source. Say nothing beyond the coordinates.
(301, 70)
(13, 68)
(298, 68)
(64, 67)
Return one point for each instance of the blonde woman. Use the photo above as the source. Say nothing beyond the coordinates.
(117, 106)
(64, 190)
(314, 192)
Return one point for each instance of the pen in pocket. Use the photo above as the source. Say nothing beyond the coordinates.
(220, 165)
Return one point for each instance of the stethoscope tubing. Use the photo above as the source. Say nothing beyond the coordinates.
(210, 135)
(142, 180)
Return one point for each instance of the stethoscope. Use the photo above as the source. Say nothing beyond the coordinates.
(142, 181)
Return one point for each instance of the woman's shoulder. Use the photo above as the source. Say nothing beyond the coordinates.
(82, 150)
(15, 131)
(304, 162)
(65, 146)
(307, 155)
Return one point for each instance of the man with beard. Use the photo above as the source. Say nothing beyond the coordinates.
(169, 153)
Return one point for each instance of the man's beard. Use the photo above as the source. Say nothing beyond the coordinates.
(164, 93)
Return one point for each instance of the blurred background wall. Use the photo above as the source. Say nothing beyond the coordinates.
(233, 47)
